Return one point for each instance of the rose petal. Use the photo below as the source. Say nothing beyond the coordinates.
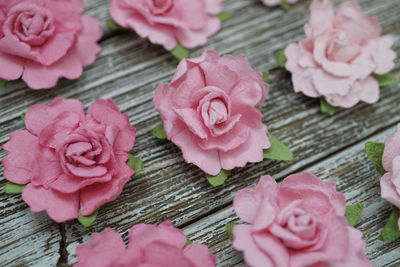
(15, 67)
(392, 150)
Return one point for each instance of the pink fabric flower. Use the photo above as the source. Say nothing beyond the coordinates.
(339, 54)
(390, 181)
(209, 111)
(277, 2)
(149, 245)
(301, 223)
(69, 160)
(44, 40)
(169, 22)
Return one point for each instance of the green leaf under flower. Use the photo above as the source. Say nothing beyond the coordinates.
(265, 76)
(353, 213)
(229, 230)
(11, 188)
(23, 117)
(280, 58)
(135, 163)
(224, 16)
(112, 24)
(218, 179)
(277, 150)
(87, 221)
(375, 152)
(327, 108)
(391, 229)
(2, 82)
(285, 6)
(159, 131)
(180, 52)
(385, 79)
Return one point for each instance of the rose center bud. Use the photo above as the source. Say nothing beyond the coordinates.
(302, 224)
(342, 49)
(217, 112)
(30, 23)
(159, 7)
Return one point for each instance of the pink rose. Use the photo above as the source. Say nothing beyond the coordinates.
(70, 161)
(44, 40)
(339, 54)
(149, 245)
(390, 181)
(301, 223)
(277, 2)
(169, 22)
(209, 111)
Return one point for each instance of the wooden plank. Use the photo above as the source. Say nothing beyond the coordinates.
(354, 176)
(128, 69)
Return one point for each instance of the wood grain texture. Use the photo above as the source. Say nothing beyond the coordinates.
(128, 69)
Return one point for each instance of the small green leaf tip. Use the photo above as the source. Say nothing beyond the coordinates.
(2, 82)
(353, 213)
(218, 179)
(188, 241)
(159, 132)
(327, 108)
(385, 79)
(11, 188)
(265, 76)
(135, 163)
(229, 230)
(277, 150)
(87, 221)
(180, 52)
(224, 16)
(112, 24)
(280, 58)
(375, 152)
(23, 116)
(391, 229)
(285, 6)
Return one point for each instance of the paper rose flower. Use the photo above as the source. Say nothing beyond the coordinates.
(277, 2)
(169, 22)
(301, 223)
(149, 245)
(70, 161)
(209, 111)
(44, 40)
(336, 59)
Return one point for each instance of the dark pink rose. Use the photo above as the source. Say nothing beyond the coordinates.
(70, 161)
(209, 111)
(341, 51)
(44, 40)
(169, 22)
(149, 245)
(301, 223)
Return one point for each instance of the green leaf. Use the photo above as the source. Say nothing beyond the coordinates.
(385, 79)
(218, 179)
(180, 52)
(11, 188)
(224, 16)
(327, 108)
(280, 58)
(391, 229)
(374, 153)
(265, 76)
(112, 24)
(228, 229)
(2, 82)
(135, 163)
(285, 6)
(353, 213)
(188, 241)
(159, 132)
(277, 151)
(23, 116)
(87, 221)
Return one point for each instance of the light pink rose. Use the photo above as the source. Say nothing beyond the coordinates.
(149, 245)
(69, 160)
(301, 223)
(209, 111)
(339, 54)
(390, 181)
(44, 40)
(169, 22)
(277, 2)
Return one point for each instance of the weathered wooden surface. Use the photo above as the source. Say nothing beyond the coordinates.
(128, 70)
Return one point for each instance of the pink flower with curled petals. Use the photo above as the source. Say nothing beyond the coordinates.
(169, 22)
(209, 111)
(44, 40)
(70, 161)
(277, 2)
(340, 52)
(149, 245)
(390, 181)
(301, 223)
